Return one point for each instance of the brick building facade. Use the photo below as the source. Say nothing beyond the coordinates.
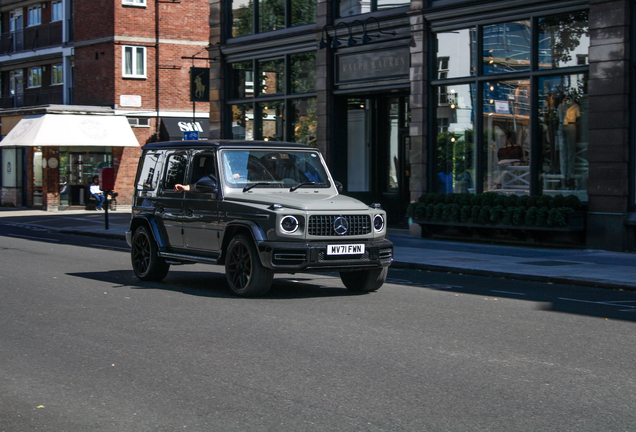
(132, 57)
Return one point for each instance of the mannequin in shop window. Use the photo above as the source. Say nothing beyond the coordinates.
(569, 113)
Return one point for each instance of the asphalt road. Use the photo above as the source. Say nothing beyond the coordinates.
(84, 346)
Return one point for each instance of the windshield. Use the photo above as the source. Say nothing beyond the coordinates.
(273, 169)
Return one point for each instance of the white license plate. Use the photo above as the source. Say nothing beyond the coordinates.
(347, 249)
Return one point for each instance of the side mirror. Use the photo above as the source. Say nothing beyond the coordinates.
(207, 185)
(339, 187)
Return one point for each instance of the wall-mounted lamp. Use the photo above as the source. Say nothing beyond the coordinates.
(352, 41)
(366, 38)
(335, 43)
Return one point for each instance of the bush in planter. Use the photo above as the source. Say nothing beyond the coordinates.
(465, 213)
(496, 213)
(518, 215)
(428, 212)
(531, 216)
(557, 201)
(506, 219)
(542, 217)
(438, 209)
(511, 200)
(484, 215)
(474, 214)
(451, 213)
(464, 199)
(557, 217)
(523, 201)
(573, 202)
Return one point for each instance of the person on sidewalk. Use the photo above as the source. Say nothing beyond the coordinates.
(97, 193)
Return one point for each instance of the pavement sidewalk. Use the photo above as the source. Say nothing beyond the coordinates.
(591, 268)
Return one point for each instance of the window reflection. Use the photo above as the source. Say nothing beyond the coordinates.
(272, 77)
(243, 122)
(273, 121)
(456, 54)
(563, 110)
(242, 80)
(303, 72)
(242, 18)
(354, 7)
(564, 40)
(507, 134)
(305, 121)
(271, 15)
(507, 47)
(455, 163)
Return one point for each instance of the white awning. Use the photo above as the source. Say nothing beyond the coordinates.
(71, 130)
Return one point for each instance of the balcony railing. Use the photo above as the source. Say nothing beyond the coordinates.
(33, 98)
(31, 38)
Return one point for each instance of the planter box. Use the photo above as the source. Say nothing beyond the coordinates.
(575, 222)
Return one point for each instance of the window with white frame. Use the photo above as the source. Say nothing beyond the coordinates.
(56, 11)
(134, 62)
(138, 122)
(134, 2)
(34, 16)
(34, 77)
(57, 74)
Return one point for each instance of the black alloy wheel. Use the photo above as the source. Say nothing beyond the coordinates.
(243, 269)
(146, 262)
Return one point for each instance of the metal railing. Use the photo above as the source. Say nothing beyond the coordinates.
(31, 38)
(33, 98)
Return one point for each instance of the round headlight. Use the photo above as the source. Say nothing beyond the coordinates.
(378, 222)
(289, 224)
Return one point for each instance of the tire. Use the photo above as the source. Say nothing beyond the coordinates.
(243, 269)
(146, 263)
(364, 280)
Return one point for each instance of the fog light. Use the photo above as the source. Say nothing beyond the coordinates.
(378, 223)
(289, 224)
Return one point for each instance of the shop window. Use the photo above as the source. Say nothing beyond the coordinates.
(563, 40)
(56, 11)
(134, 62)
(34, 15)
(355, 7)
(456, 53)
(509, 156)
(563, 138)
(271, 108)
(271, 77)
(506, 119)
(249, 17)
(305, 121)
(243, 122)
(272, 125)
(242, 80)
(507, 47)
(455, 150)
(57, 74)
(34, 77)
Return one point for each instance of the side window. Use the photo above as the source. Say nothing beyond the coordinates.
(149, 172)
(175, 171)
(203, 165)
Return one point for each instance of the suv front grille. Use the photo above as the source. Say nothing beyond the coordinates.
(323, 225)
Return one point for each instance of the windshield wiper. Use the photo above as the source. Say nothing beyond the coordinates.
(293, 188)
(246, 188)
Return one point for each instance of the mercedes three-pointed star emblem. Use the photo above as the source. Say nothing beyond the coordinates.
(341, 225)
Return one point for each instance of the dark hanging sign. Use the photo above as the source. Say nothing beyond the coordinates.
(374, 65)
(199, 84)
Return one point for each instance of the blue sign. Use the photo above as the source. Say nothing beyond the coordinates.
(191, 136)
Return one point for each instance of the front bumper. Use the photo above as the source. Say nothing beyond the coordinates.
(291, 256)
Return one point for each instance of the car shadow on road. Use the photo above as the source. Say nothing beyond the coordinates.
(212, 284)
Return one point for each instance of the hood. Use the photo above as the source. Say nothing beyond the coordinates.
(306, 200)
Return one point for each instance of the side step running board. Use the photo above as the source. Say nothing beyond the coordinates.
(188, 258)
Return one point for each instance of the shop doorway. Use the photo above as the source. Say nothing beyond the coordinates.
(76, 174)
(374, 130)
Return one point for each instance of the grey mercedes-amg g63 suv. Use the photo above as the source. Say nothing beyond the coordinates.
(258, 208)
